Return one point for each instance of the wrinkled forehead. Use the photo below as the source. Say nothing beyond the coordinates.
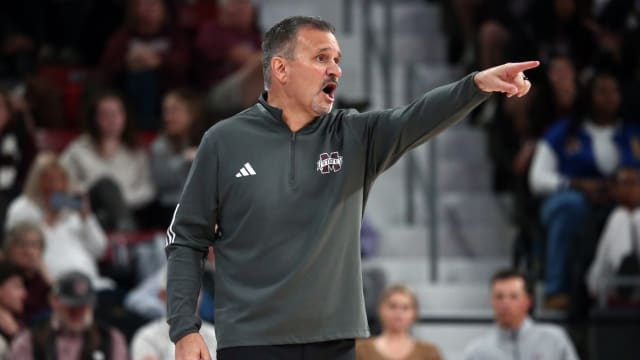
(310, 40)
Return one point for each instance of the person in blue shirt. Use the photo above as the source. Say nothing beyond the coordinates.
(570, 169)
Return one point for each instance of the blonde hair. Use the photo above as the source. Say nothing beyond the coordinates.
(399, 289)
(32, 186)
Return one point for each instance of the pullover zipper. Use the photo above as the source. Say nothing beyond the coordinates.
(292, 159)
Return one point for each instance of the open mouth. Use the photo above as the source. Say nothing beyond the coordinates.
(330, 89)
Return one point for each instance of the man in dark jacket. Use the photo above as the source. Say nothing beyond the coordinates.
(284, 184)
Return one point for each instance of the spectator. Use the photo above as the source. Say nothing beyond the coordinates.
(24, 247)
(515, 335)
(174, 150)
(152, 341)
(12, 295)
(619, 246)
(74, 239)
(229, 58)
(72, 332)
(107, 163)
(148, 55)
(17, 150)
(569, 169)
(22, 31)
(398, 311)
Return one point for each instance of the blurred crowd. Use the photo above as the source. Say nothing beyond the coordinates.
(568, 155)
(103, 103)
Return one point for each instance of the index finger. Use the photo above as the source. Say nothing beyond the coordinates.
(522, 66)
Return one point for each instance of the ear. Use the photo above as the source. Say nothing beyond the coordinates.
(279, 69)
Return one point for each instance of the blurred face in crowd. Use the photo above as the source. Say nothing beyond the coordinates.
(510, 302)
(111, 117)
(72, 318)
(176, 115)
(150, 15)
(13, 294)
(53, 179)
(398, 312)
(626, 188)
(564, 9)
(26, 250)
(312, 75)
(605, 98)
(562, 77)
(238, 14)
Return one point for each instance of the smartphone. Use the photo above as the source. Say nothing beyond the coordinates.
(61, 200)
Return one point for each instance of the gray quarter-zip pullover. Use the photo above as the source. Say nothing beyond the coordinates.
(289, 208)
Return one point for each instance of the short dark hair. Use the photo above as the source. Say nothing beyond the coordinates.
(7, 271)
(506, 274)
(280, 39)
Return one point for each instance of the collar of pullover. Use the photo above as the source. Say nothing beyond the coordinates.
(514, 334)
(275, 115)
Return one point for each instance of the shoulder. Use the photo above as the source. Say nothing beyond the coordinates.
(479, 346)
(21, 345)
(550, 331)
(365, 346)
(160, 143)
(79, 145)
(22, 209)
(231, 125)
(424, 347)
(558, 130)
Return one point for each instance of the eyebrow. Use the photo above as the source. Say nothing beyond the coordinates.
(328, 49)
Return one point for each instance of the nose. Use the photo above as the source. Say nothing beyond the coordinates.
(334, 70)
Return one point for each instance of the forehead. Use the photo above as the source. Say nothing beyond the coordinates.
(310, 39)
(508, 285)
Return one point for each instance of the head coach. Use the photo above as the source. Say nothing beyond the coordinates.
(279, 191)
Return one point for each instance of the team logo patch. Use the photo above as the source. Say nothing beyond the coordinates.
(329, 162)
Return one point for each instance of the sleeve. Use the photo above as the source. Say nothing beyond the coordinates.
(21, 347)
(94, 237)
(69, 159)
(544, 177)
(188, 239)
(388, 134)
(118, 346)
(568, 351)
(166, 169)
(616, 232)
(141, 190)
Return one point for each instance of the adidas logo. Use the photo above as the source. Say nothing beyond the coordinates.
(246, 170)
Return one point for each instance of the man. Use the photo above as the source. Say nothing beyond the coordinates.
(285, 182)
(516, 336)
(12, 295)
(71, 333)
(151, 342)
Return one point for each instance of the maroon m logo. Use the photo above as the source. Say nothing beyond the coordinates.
(329, 162)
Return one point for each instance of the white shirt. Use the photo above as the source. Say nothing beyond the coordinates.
(71, 243)
(544, 176)
(530, 342)
(152, 341)
(615, 243)
(129, 169)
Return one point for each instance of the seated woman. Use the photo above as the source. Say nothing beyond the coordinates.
(24, 248)
(398, 311)
(174, 150)
(107, 163)
(569, 170)
(74, 239)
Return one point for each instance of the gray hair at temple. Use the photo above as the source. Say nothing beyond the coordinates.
(280, 40)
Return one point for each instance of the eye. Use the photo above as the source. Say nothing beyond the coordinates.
(321, 58)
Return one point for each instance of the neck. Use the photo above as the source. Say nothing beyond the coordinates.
(395, 336)
(513, 327)
(292, 113)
